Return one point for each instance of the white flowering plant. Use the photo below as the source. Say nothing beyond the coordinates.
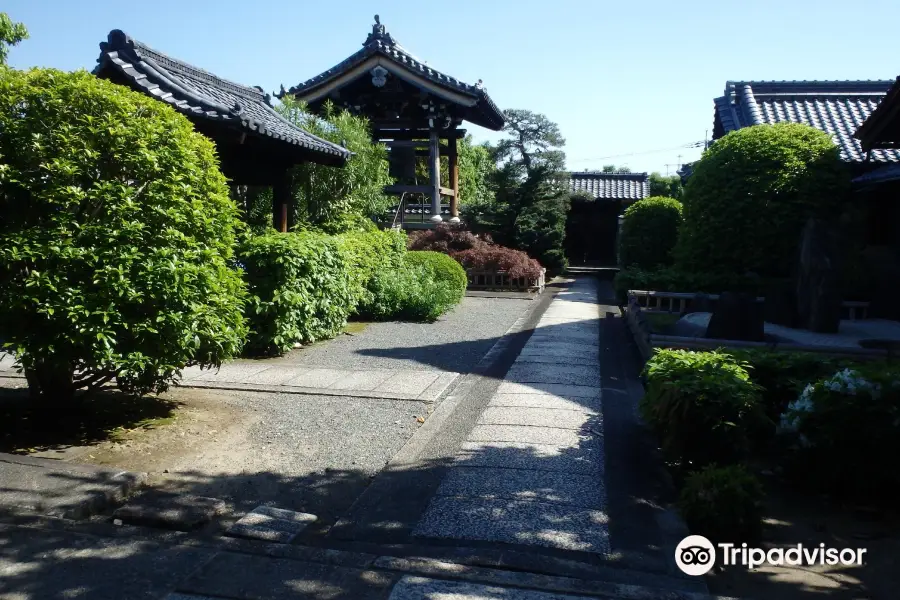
(847, 427)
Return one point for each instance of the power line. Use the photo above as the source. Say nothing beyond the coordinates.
(699, 144)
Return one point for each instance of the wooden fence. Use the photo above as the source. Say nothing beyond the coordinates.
(501, 281)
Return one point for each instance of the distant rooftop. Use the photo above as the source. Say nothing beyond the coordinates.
(611, 186)
(836, 107)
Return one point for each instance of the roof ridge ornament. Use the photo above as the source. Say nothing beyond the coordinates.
(379, 34)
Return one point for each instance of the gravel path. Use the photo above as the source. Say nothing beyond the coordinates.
(456, 342)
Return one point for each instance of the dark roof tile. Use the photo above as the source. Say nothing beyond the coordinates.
(611, 186)
(484, 113)
(196, 92)
(836, 107)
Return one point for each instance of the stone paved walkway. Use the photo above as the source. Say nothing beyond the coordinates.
(532, 470)
(397, 384)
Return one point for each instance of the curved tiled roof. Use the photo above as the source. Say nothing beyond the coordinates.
(836, 107)
(379, 42)
(200, 94)
(611, 186)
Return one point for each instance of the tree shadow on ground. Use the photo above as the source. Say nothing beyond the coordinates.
(550, 524)
(48, 561)
(27, 426)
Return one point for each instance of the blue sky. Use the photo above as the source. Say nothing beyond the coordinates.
(620, 78)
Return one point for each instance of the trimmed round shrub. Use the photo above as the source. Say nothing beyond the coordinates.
(301, 289)
(649, 232)
(750, 195)
(116, 233)
(442, 268)
(723, 504)
(702, 405)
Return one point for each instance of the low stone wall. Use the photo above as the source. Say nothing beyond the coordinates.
(500, 281)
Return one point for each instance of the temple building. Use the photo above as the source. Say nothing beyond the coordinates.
(413, 109)
(256, 145)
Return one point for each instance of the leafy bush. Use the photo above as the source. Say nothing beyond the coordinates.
(447, 238)
(368, 254)
(410, 293)
(301, 289)
(723, 504)
(649, 232)
(442, 268)
(672, 279)
(752, 192)
(476, 252)
(782, 376)
(116, 230)
(329, 198)
(703, 406)
(848, 432)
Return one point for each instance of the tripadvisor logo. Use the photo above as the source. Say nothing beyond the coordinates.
(696, 555)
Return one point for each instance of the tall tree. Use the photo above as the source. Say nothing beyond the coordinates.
(534, 142)
(11, 33)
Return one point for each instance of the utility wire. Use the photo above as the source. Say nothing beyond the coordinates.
(699, 144)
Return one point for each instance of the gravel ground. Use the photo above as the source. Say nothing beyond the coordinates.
(304, 453)
(456, 342)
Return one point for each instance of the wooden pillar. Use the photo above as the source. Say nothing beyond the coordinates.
(434, 170)
(281, 202)
(454, 179)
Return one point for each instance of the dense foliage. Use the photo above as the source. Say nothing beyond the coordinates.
(782, 375)
(703, 406)
(115, 234)
(301, 289)
(476, 167)
(750, 195)
(11, 33)
(649, 232)
(475, 252)
(422, 289)
(367, 254)
(846, 424)
(328, 197)
(530, 202)
(723, 504)
(442, 268)
(663, 185)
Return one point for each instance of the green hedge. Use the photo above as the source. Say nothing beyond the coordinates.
(443, 268)
(423, 288)
(369, 253)
(301, 287)
(649, 232)
(750, 195)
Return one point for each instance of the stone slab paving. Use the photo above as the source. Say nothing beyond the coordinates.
(422, 588)
(402, 384)
(532, 469)
(271, 524)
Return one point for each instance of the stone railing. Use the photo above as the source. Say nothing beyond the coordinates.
(641, 302)
(501, 281)
(677, 302)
